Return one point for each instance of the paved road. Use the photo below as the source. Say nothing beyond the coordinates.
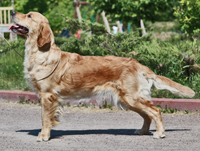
(92, 130)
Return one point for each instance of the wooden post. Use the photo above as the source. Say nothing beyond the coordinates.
(143, 28)
(78, 13)
(119, 26)
(77, 10)
(98, 18)
(5, 19)
(105, 22)
(75, 13)
(13, 4)
(13, 36)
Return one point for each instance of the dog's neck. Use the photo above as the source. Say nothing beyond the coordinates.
(35, 57)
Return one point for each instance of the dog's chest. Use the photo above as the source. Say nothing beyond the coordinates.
(33, 64)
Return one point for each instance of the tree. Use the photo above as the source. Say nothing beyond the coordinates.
(188, 14)
(49, 8)
(55, 9)
(26, 6)
(131, 10)
(5, 3)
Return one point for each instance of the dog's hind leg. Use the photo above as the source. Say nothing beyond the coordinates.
(148, 111)
(50, 113)
(146, 124)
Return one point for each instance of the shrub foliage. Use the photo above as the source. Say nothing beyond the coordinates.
(188, 13)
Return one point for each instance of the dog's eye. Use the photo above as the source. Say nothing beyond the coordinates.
(29, 16)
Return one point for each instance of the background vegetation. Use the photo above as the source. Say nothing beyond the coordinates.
(188, 13)
(166, 49)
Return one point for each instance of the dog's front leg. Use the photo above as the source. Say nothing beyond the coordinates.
(50, 106)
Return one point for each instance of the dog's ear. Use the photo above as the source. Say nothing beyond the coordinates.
(44, 35)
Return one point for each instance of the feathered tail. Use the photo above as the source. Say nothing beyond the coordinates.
(161, 82)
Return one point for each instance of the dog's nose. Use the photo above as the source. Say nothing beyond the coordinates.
(13, 13)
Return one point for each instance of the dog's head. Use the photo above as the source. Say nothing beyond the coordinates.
(33, 25)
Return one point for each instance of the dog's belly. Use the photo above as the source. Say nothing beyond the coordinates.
(100, 94)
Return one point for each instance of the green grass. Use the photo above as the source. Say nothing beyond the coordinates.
(11, 67)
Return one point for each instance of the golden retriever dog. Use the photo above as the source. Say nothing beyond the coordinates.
(56, 75)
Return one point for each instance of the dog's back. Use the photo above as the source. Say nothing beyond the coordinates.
(86, 76)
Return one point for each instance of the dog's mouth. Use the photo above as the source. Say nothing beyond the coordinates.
(18, 29)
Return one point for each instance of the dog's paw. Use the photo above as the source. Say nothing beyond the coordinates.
(42, 137)
(140, 132)
(158, 135)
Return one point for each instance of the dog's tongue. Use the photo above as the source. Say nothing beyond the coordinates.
(11, 26)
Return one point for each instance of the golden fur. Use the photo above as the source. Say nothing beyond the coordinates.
(56, 75)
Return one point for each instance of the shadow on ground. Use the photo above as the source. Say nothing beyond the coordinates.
(60, 133)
